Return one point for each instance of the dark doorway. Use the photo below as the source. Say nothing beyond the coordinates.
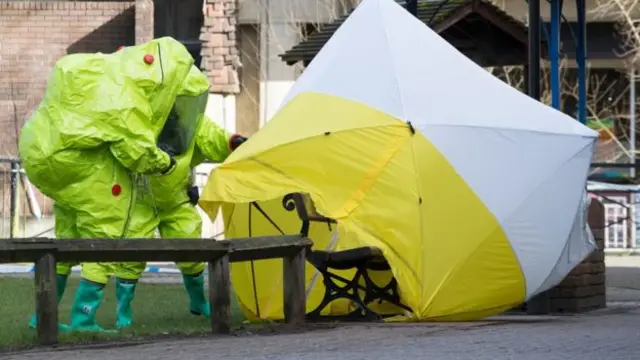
(181, 20)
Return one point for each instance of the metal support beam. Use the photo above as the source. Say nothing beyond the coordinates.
(581, 59)
(525, 85)
(540, 303)
(632, 119)
(554, 52)
(632, 151)
(534, 49)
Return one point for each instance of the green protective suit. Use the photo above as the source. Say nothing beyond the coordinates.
(177, 218)
(98, 123)
(93, 137)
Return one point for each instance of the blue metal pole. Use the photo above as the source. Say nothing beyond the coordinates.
(533, 55)
(581, 58)
(554, 52)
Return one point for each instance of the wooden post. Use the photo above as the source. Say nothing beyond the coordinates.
(47, 300)
(295, 303)
(220, 295)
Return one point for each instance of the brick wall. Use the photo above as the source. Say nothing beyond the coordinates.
(584, 288)
(220, 57)
(34, 34)
(144, 21)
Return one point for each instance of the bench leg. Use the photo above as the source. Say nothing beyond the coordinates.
(47, 300)
(294, 288)
(220, 295)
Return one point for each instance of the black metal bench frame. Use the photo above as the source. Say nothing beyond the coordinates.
(363, 260)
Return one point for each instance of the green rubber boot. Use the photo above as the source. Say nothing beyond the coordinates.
(198, 304)
(61, 285)
(125, 292)
(85, 305)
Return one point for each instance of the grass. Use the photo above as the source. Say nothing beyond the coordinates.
(159, 309)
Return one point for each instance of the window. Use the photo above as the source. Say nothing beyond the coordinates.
(617, 224)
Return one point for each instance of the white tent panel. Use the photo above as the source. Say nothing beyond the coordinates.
(397, 64)
(357, 52)
(526, 161)
(441, 86)
(539, 228)
(504, 166)
(581, 243)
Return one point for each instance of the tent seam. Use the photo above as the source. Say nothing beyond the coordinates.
(527, 198)
(393, 63)
(227, 165)
(511, 129)
(500, 227)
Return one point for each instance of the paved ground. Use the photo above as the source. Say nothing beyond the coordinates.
(623, 279)
(610, 334)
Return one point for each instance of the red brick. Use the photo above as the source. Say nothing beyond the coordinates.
(219, 47)
(584, 289)
(35, 34)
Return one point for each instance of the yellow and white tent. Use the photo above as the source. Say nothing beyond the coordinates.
(469, 187)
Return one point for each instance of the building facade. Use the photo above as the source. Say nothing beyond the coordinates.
(237, 43)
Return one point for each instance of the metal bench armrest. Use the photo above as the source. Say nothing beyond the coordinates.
(305, 209)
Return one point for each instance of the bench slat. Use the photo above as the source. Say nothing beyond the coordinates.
(107, 250)
(46, 252)
(261, 248)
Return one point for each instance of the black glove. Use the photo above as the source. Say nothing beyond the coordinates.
(194, 195)
(235, 141)
(172, 164)
(168, 149)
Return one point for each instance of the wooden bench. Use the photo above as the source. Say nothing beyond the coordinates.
(363, 260)
(46, 252)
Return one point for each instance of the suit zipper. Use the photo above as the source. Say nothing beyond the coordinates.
(132, 199)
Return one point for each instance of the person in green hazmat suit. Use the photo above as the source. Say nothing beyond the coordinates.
(92, 144)
(174, 200)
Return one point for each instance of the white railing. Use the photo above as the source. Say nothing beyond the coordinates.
(616, 234)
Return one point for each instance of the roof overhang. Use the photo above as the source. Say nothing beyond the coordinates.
(477, 28)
